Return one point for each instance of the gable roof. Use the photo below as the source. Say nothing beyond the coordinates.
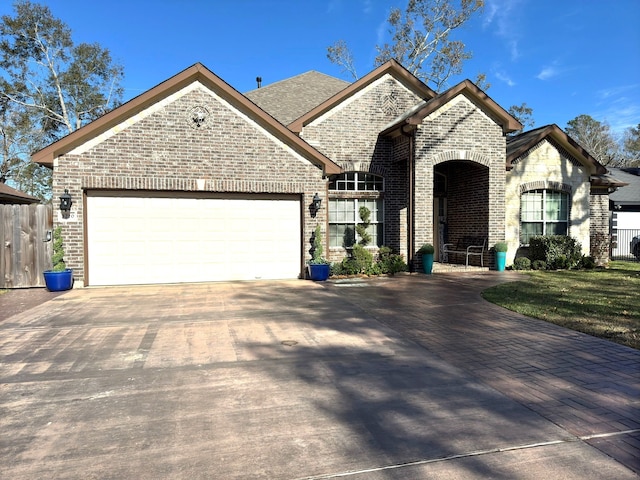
(520, 144)
(416, 115)
(13, 196)
(291, 98)
(630, 194)
(391, 67)
(200, 73)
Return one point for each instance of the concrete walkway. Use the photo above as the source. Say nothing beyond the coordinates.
(410, 377)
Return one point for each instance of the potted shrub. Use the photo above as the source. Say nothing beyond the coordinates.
(427, 251)
(501, 255)
(318, 266)
(60, 277)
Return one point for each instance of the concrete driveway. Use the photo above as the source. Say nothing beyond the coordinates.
(405, 378)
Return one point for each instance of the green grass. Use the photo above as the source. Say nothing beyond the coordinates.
(604, 303)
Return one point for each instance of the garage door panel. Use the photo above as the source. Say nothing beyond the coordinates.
(166, 240)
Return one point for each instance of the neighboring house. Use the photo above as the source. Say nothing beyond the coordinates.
(9, 195)
(625, 214)
(193, 181)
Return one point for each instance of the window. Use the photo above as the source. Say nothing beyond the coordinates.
(543, 212)
(353, 190)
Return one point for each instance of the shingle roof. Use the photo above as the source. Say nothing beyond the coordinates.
(629, 195)
(13, 196)
(291, 98)
(520, 144)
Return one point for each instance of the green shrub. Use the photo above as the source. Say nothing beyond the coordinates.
(501, 247)
(539, 265)
(588, 262)
(557, 251)
(57, 259)
(426, 248)
(522, 263)
(390, 262)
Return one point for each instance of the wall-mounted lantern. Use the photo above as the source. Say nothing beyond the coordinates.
(315, 204)
(65, 203)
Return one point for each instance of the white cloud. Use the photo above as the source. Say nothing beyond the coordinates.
(501, 16)
(607, 93)
(548, 72)
(505, 78)
(620, 106)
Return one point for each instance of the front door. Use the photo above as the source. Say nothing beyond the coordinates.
(439, 227)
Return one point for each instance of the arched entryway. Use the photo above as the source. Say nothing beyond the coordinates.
(460, 207)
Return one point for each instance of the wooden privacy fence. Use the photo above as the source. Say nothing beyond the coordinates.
(25, 251)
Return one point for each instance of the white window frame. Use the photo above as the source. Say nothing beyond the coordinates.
(346, 190)
(545, 221)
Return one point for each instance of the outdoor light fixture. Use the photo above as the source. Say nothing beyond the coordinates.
(315, 204)
(65, 203)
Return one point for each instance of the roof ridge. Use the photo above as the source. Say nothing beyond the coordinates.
(297, 76)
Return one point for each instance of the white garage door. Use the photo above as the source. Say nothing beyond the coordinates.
(157, 239)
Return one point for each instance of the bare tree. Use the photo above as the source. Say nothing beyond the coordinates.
(631, 146)
(58, 85)
(524, 114)
(596, 138)
(421, 40)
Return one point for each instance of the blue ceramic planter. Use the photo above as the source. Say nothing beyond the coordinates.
(319, 272)
(58, 281)
(501, 260)
(427, 262)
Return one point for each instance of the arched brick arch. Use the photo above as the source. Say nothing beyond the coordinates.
(545, 185)
(364, 167)
(450, 155)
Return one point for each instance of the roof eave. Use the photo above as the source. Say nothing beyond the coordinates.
(392, 67)
(566, 142)
(197, 72)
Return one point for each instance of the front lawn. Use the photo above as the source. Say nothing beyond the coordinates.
(603, 302)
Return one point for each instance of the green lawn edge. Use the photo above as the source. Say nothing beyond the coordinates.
(603, 302)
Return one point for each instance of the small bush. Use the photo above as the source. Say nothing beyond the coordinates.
(522, 263)
(501, 247)
(539, 265)
(390, 262)
(558, 251)
(588, 263)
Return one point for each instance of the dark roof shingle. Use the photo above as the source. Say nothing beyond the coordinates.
(291, 98)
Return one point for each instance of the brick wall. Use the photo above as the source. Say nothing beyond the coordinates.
(599, 226)
(161, 149)
(462, 134)
(349, 135)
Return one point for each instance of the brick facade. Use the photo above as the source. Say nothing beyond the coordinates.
(162, 151)
(195, 139)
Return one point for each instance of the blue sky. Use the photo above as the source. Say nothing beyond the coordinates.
(562, 57)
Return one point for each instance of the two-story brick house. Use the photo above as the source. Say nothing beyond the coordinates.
(194, 181)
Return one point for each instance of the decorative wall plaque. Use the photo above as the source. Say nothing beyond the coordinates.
(198, 116)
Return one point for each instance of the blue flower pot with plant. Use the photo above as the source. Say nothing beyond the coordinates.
(59, 278)
(427, 251)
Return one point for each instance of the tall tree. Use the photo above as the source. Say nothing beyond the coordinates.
(523, 113)
(631, 146)
(596, 138)
(58, 85)
(421, 40)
